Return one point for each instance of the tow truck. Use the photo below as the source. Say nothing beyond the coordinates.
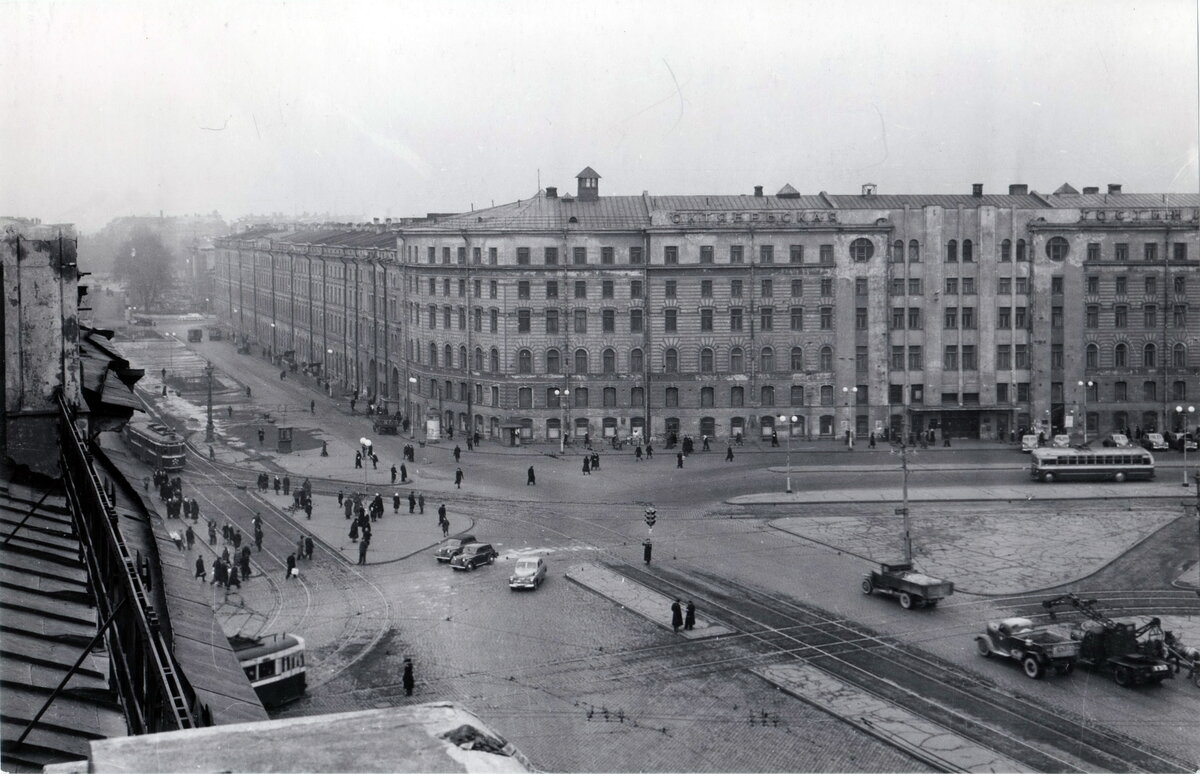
(1126, 651)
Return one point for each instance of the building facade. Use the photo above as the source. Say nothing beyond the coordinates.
(831, 316)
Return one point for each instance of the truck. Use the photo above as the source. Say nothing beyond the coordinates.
(386, 425)
(913, 588)
(1037, 648)
(1126, 651)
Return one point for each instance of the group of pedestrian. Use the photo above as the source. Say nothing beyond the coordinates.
(302, 499)
(410, 452)
(680, 617)
(591, 462)
(637, 451)
(403, 474)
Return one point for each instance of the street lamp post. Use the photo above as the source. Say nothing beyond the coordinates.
(791, 421)
(851, 394)
(412, 425)
(1183, 412)
(1086, 386)
(272, 341)
(328, 360)
(208, 430)
(367, 450)
(563, 395)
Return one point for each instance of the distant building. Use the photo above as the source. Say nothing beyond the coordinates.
(973, 315)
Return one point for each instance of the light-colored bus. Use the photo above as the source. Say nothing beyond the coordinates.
(1084, 464)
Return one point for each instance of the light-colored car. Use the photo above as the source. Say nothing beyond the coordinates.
(1154, 442)
(1118, 441)
(1061, 441)
(1029, 442)
(528, 574)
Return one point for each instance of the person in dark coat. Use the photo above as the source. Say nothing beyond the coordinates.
(403, 473)
(595, 461)
(393, 474)
(728, 453)
(278, 484)
(341, 497)
(258, 538)
(291, 565)
(348, 507)
(676, 615)
(637, 453)
(287, 484)
(442, 513)
(871, 442)
(190, 536)
(457, 454)
(408, 680)
(245, 560)
(444, 523)
(530, 478)
(689, 619)
(237, 538)
(679, 460)
(587, 465)
(357, 460)
(412, 502)
(362, 551)
(308, 509)
(212, 534)
(649, 452)
(458, 478)
(396, 502)
(233, 579)
(354, 531)
(308, 547)
(201, 572)
(421, 503)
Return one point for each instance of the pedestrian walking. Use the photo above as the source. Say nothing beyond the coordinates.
(291, 566)
(676, 615)
(441, 513)
(258, 538)
(324, 448)
(871, 441)
(341, 496)
(309, 545)
(530, 478)
(287, 484)
(421, 503)
(312, 407)
(219, 572)
(190, 536)
(408, 680)
(245, 559)
(237, 538)
(458, 478)
(403, 473)
(212, 534)
(728, 453)
(308, 509)
(300, 547)
(262, 434)
(595, 461)
(201, 573)
(637, 453)
(357, 460)
(412, 502)
(689, 618)
(393, 474)
(354, 531)
(445, 525)
(396, 502)
(587, 465)
(649, 451)
(278, 484)
(705, 439)
(374, 461)
(348, 507)
(679, 460)
(362, 552)
(457, 453)
(233, 579)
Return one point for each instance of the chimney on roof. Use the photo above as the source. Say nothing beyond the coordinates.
(588, 189)
(758, 191)
(376, 221)
(1018, 189)
(977, 190)
(868, 189)
(1114, 188)
(551, 192)
(1091, 189)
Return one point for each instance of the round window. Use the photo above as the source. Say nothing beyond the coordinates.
(1057, 248)
(861, 250)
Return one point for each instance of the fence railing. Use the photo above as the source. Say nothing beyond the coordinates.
(155, 694)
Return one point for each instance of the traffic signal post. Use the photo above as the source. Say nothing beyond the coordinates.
(648, 543)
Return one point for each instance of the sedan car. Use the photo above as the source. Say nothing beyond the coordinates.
(528, 574)
(1061, 441)
(473, 555)
(1118, 441)
(452, 547)
(1154, 442)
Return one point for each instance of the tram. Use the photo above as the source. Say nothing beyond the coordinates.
(1084, 464)
(155, 444)
(274, 665)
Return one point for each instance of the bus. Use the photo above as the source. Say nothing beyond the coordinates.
(274, 666)
(155, 444)
(1084, 464)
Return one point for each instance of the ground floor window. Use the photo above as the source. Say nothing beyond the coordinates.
(553, 429)
(708, 426)
(581, 427)
(610, 427)
(526, 429)
(826, 424)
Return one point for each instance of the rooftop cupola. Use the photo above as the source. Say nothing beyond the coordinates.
(589, 185)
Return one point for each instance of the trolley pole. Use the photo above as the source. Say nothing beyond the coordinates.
(208, 430)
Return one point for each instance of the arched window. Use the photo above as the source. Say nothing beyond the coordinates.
(797, 397)
(952, 251)
(581, 361)
(524, 362)
(495, 361)
(797, 359)
(826, 358)
(1149, 356)
(479, 358)
(898, 251)
(608, 361)
(1120, 356)
(1093, 356)
(448, 354)
(767, 361)
(462, 358)
(432, 354)
(968, 251)
(636, 363)
(671, 360)
(706, 360)
(1006, 251)
(737, 361)
(1021, 250)
(553, 361)
(1179, 356)
(914, 251)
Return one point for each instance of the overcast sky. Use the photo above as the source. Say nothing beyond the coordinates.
(394, 109)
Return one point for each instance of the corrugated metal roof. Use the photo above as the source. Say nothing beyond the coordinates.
(1125, 200)
(738, 202)
(948, 201)
(541, 213)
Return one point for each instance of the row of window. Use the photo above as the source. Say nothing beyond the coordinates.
(1120, 318)
(1120, 356)
(1121, 285)
(552, 360)
(579, 397)
(1120, 391)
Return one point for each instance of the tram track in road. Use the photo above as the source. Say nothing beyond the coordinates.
(929, 687)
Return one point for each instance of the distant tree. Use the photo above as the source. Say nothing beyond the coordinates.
(147, 267)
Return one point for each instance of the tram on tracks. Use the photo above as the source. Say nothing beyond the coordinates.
(1084, 464)
(274, 665)
(155, 444)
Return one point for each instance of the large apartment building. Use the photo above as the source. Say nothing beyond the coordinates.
(832, 315)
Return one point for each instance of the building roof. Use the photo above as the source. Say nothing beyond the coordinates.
(588, 172)
(549, 213)
(947, 201)
(1124, 200)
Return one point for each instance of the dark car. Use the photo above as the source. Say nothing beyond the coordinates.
(452, 547)
(472, 555)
